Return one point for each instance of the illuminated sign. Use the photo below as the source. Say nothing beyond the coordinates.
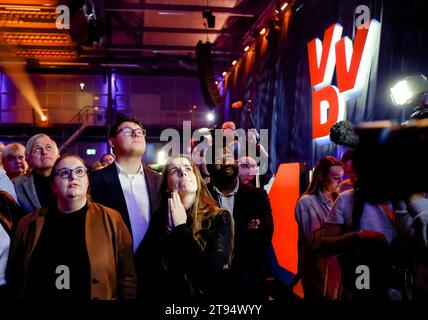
(352, 61)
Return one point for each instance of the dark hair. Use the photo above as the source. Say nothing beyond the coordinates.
(121, 118)
(106, 154)
(348, 155)
(320, 174)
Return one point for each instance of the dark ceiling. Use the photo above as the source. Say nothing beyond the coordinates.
(140, 36)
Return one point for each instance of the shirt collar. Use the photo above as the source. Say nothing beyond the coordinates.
(232, 194)
(324, 199)
(122, 171)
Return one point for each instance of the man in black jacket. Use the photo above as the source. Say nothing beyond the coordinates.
(253, 228)
(127, 186)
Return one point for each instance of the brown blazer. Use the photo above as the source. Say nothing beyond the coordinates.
(112, 268)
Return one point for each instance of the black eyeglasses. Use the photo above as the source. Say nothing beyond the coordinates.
(128, 132)
(65, 173)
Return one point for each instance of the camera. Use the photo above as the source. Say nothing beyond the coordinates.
(391, 160)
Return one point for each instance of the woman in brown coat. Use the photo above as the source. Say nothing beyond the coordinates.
(74, 249)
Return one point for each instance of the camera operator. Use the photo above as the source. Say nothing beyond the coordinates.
(414, 224)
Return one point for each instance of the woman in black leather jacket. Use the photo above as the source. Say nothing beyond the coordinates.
(192, 238)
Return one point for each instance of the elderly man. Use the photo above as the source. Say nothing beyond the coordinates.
(33, 189)
(13, 160)
(247, 170)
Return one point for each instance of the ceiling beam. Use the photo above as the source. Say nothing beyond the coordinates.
(159, 47)
(173, 30)
(144, 7)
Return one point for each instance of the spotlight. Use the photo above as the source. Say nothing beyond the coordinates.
(208, 14)
(82, 86)
(43, 118)
(284, 6)
(409, 90)
(263, 31)
(246, 48)
(161, 157)
(210, 116)
(234, 62)
(216, 82)
(224, 73)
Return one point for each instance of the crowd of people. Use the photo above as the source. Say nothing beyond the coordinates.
(122, 231)
(197, 231)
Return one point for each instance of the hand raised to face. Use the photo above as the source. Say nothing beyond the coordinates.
(176, 212)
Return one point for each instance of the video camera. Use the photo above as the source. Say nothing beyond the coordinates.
(391, 160)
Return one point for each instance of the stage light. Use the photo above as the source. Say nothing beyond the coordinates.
(43, 118)
(284, 6)
(263, 31)
(91, 152)
(210, 116)
(234, 62)
(82, 86)
(246, 48)
(161, 157)
(224, 73)
(216, 82)
(409, 90)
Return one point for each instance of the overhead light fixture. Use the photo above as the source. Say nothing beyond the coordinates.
(216, 82)
(284, 6)
(234, 62)
(263, 31)
(82, 86)
(43, 118)
(409, 90)
(208, 14)
(161, 157)
(210, 116)
(246, 48)
(224, 73)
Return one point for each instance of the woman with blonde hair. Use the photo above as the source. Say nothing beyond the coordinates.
(192, 237)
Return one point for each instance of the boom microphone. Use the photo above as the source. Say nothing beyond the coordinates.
(342, 133)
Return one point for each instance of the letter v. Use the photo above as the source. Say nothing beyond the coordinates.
(353, 62)
(322, 57)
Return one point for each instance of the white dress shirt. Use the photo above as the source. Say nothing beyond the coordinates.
(4, 253)
(136, 194)
(227, 202)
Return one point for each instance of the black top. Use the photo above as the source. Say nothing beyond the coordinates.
(43, 189)
(181, 270)
(61, 243)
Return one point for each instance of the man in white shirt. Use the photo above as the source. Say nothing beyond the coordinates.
(126, 185)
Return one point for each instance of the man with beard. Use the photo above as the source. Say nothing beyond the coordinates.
(252, 216)
(33, 189)
(129, 187)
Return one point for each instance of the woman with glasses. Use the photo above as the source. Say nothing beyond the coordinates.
(73, 249)
(320, 273)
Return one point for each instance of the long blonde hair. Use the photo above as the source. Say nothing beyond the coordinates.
(203, 211)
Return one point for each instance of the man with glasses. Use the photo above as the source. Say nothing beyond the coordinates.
(126, 185)
(33, 189)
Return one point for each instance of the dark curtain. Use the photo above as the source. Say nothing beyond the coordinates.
(275, 76)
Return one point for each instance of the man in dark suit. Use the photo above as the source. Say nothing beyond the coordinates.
(127, 186)
(253, 227)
